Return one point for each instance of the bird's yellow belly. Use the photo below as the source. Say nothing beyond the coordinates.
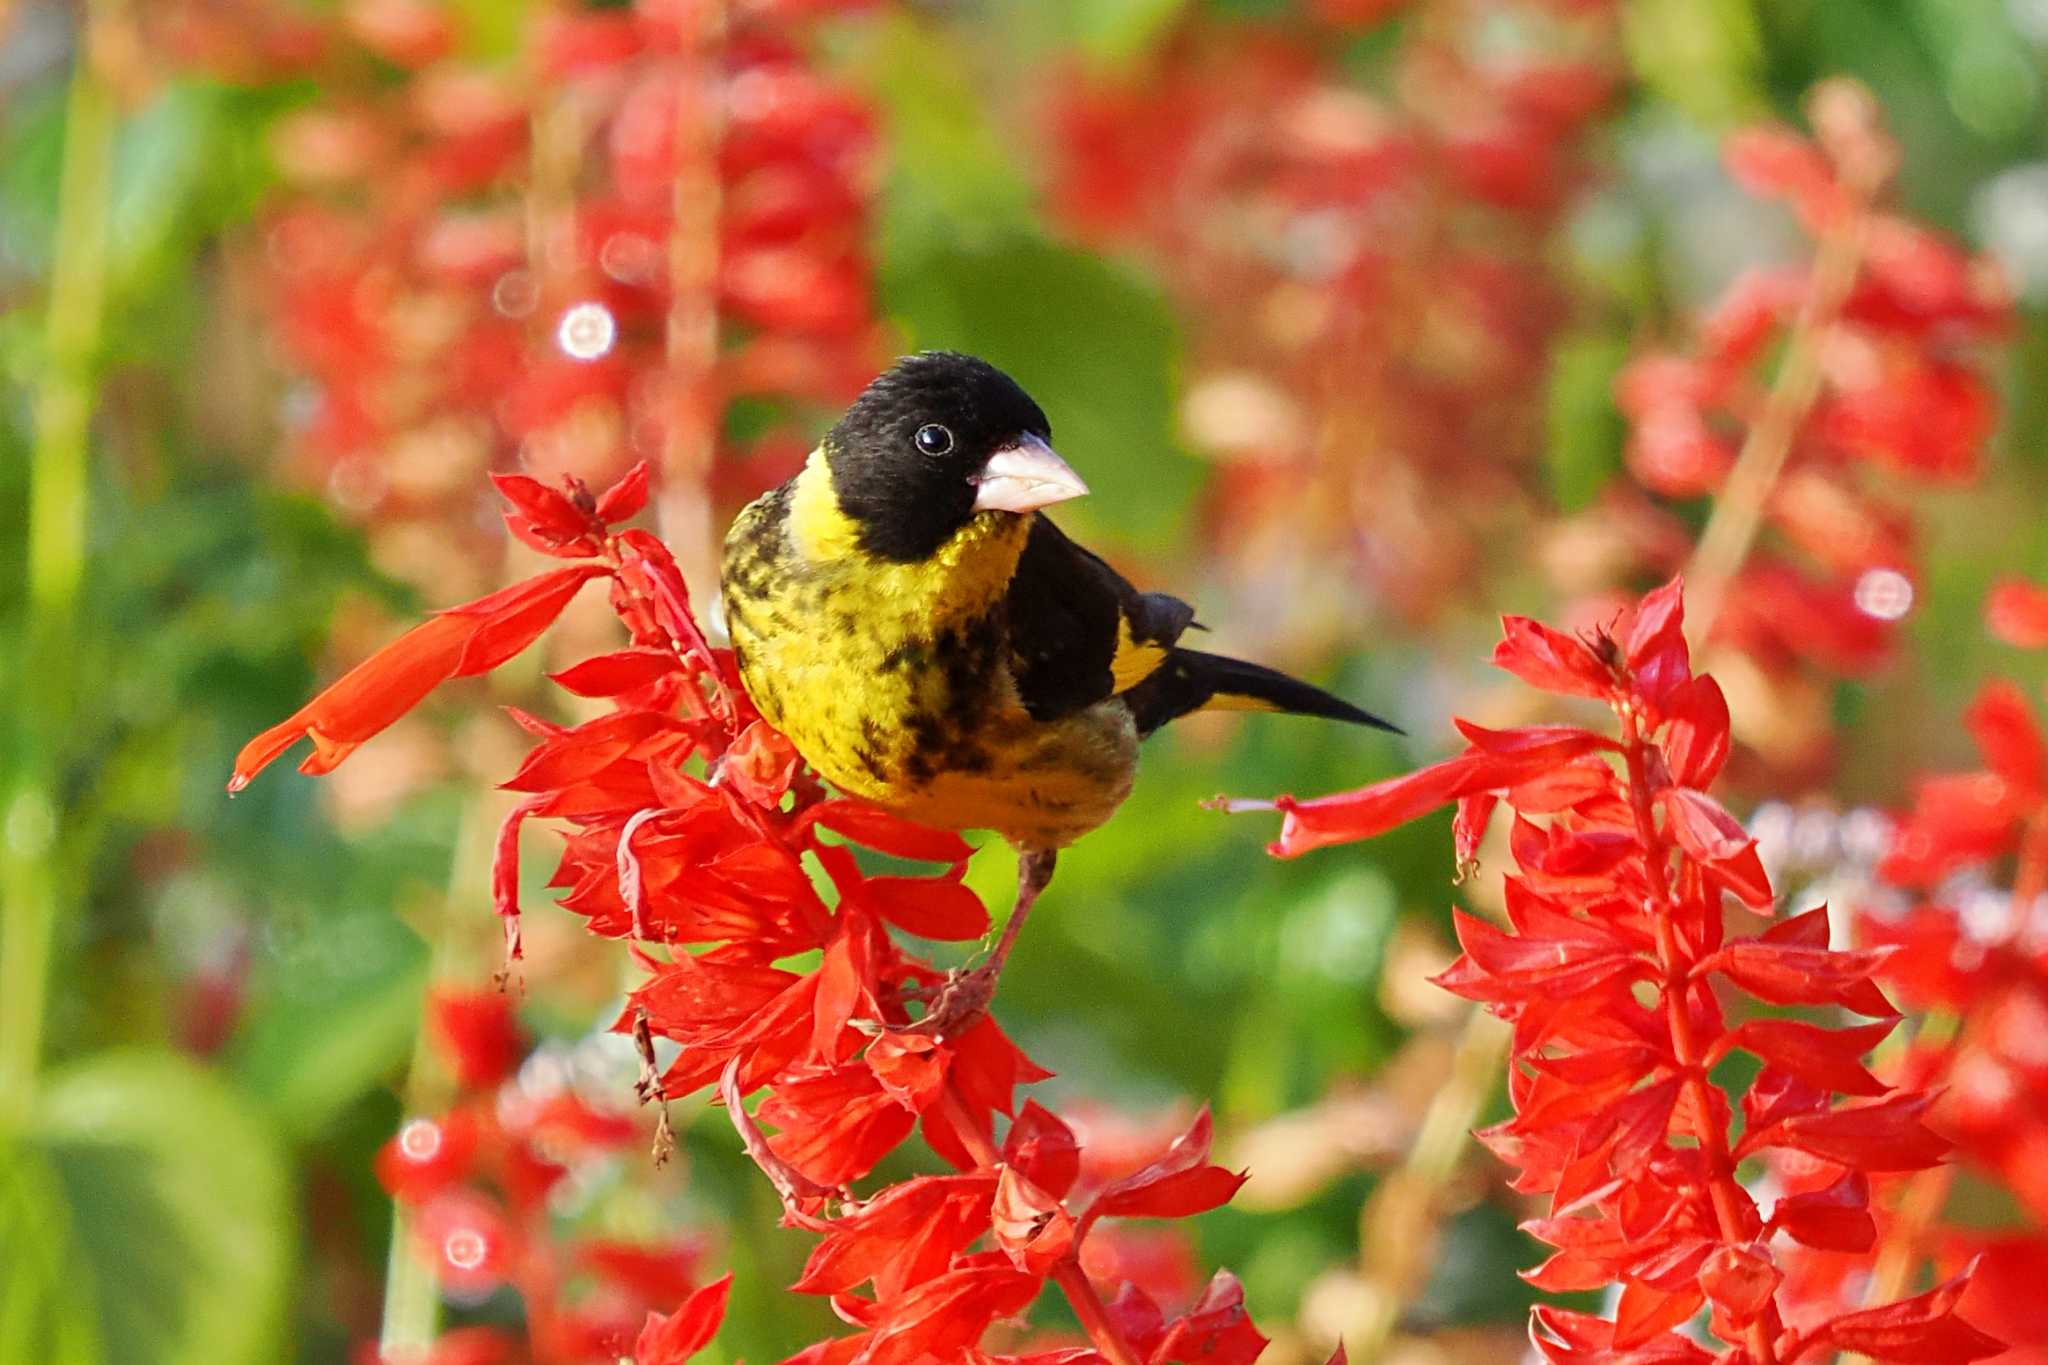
(1046, 784)
(941, 740)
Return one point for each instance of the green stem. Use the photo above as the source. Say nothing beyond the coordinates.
(412, 1288)
(65, 396)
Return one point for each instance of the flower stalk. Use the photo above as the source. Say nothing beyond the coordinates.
(1723, 1188)
(33, 886)
(1847, 119)
(1621, 876)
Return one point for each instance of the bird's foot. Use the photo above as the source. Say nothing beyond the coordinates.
(959, 1005)
(964, 999)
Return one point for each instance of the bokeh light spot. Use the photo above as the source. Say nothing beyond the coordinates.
(465, 1248)
(420, 1140)
(587, 331)
(1885, 594)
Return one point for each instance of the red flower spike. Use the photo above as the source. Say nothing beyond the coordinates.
(1610, 969)
(673, 1339)
(712, 868)
(459, 642)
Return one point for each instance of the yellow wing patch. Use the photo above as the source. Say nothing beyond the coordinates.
(1135, 661)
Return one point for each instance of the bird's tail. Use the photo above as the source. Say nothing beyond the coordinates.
(1190, 680)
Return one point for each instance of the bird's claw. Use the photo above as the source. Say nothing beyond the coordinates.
(960, 1003)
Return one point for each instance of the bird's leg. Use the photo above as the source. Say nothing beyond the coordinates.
(965, 996)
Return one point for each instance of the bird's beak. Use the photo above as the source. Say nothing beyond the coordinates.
(1024, 476)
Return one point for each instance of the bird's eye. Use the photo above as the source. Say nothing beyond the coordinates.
(934, 439)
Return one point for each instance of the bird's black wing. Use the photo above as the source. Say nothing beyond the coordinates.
(1078, 632)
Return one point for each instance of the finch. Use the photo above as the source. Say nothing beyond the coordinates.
(905, 612)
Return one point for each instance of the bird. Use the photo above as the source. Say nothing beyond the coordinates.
(904, 611)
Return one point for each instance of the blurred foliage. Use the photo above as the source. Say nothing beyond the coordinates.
(165, 1209)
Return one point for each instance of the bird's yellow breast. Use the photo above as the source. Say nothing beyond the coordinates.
(894, 680)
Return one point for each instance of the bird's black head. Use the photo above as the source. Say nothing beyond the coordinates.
(933, 442)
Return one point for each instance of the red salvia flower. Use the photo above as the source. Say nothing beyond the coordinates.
(1974, 817)
(688, 822)
(673, 1338)
(1614, 970)
(474, 1182)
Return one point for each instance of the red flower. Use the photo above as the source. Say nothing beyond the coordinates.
(1608, 971)
(479, 1034)
(459, 642)
(2017, 613)
(673, 1338)
(658, 855)
(1973, 817)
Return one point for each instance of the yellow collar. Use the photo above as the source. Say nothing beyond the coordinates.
(965, 576)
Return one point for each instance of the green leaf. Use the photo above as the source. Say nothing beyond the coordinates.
(1094, 345)
(950, 176)
(162, 159)
(147, 1219)
(43, 1314)
(1585, 430)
